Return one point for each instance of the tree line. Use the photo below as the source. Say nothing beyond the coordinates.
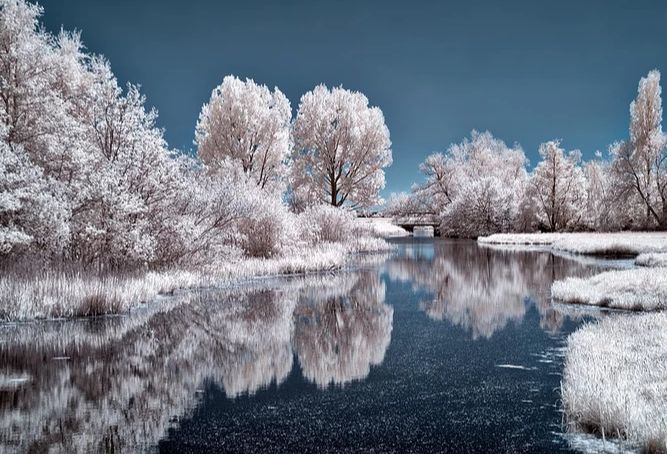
(482, 186)
(87, 176)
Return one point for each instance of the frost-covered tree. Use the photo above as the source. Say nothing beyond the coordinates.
(407, 204)
(598, 213)
(32, 217)
(248, 126)
(610, 205)
(70, 130)
(641, 162)
(438, 190)
(476, 186)
(341, 148)
(111, 162)
(34, 211)
(558, 188)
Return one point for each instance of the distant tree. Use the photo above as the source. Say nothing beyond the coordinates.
(476, 186)
(557, 187)
(247, 126)
(341, 148)
(438, 190)
(406, 204)
(641, 163)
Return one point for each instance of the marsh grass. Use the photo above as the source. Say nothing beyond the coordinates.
(652, 260)
(630, 289)
(68, 291)
(615, 380)
(606, 245)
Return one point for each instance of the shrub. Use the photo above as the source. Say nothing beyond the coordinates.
(327, 223)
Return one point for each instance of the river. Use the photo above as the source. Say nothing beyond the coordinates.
(442, 346)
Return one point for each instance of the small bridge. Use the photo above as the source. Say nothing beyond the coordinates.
(419, 220)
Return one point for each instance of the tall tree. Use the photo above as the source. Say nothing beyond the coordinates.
(641, 162)
(342, 147)
(557, 186)
(247, 126)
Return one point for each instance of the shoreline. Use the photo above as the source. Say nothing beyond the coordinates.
(39, 296)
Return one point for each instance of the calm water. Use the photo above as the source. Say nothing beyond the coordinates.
(444, 346)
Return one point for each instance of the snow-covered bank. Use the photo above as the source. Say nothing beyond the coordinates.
(518, 239)
(652, 260)
(55, 294)
(618, 243)
(382, 227)
(633, 289)
(615, 380)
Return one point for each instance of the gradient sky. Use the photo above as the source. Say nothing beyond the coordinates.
(528, 71)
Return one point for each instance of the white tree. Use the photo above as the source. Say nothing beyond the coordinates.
(558, 187)
(476, 186)
(32, 129)
(342, 146)
(641, 162)
(610, 204)
(248, 125)
(32, 218)
(439, 189)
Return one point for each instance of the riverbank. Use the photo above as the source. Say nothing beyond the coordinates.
(615, 380)
(640, 289)
(643, 288)
(55, 293)
(617, 244)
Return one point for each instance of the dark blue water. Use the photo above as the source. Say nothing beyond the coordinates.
(444, 346)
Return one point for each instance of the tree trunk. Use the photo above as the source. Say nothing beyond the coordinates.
(334, 193)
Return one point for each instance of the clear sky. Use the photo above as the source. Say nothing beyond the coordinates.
(528, 71)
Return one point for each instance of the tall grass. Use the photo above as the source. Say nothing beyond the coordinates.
(605, 244)
(75, 292)
(615, 380)
(633, 289)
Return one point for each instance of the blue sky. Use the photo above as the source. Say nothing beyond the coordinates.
(528, 71)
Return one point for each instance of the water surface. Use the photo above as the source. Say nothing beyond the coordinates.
(444, 346)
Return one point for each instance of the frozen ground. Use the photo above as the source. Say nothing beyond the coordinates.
(633, 289)
(617, 244)
(615, 380)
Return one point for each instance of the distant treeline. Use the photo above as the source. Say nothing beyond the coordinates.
(481, 186)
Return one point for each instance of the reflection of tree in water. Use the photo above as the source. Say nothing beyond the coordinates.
(483, 289)
(118, 386)
(339, 335)
(117, 383)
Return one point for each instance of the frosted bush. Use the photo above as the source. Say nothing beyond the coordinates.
(327, 223)
(265, 229)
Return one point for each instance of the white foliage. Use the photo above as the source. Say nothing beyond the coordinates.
(31, 216)
(248, 125)
(641, 163)
(341, 148)
(381, 227)
(476, 186)
(557, 187)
